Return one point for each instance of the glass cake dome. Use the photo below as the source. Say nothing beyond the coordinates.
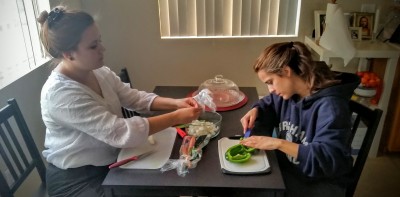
(225, 93)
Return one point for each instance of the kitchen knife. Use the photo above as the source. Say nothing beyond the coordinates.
(125, 161)
(247, 134)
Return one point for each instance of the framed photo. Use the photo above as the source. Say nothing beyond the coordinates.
(366, 22)
(355, 33)
(319, 20)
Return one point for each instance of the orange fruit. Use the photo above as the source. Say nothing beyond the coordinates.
(364, 81)
(366, 76)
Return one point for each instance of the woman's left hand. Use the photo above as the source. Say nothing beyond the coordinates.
(270, 143)
(261, 142)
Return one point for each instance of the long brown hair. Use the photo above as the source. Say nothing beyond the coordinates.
(62, 29)
(298, 57)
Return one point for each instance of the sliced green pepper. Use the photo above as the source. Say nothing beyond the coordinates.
(242, 159)
(249, 149)
(238, 153)
(236, 149)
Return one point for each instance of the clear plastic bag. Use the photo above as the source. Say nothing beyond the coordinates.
(190, 154)
(205, 99)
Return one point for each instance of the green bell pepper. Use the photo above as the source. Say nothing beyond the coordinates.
(238, 153)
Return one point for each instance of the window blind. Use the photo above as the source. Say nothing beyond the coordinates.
(228, 18)
(19, 38)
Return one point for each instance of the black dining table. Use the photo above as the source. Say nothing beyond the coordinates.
(206, 179)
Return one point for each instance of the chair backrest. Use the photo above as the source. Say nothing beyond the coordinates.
(125, 76)
(16, 141)
(126, 79)
(370, 118)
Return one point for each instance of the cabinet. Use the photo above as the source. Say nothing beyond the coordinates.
(391, 141)
(369, 49)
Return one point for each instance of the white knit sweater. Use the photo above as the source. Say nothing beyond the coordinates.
(84, 128)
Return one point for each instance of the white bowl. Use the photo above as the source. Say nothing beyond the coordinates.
(365, 92)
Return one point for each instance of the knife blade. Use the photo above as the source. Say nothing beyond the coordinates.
(238, 137)
(125, 161)
(235, 137)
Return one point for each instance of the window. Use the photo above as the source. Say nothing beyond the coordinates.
(20, 46)
(228, 18)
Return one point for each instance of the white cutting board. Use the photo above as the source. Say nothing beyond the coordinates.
(258, 163)
(164, 141)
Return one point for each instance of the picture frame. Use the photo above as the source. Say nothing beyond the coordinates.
(355, 33)
(364, 20)
(319, 21)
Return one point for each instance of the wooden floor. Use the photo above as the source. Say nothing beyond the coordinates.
(380, 177)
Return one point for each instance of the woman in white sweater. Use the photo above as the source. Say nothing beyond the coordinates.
(81, 107)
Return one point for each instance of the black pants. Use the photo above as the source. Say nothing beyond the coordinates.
(83, 181)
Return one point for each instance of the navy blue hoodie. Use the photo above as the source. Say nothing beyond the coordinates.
(320, 124)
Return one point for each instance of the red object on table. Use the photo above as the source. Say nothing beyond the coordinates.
(181, 132)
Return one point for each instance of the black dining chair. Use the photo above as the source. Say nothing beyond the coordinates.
(370, 118)
(124, 76)
(19, 153)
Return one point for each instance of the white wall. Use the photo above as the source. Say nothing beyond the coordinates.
(26, 91)
(130, 31)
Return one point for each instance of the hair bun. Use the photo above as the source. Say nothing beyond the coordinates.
(43, 17)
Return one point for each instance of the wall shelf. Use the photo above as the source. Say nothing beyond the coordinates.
(369, 49)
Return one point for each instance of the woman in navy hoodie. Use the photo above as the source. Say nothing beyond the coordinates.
(308, 104)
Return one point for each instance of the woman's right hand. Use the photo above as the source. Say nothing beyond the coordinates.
(249, 118)
(188, 114)
(179, 116)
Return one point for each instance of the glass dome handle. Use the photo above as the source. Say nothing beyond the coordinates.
(219, 79)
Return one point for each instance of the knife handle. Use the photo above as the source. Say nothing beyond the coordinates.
(122, 162)
(247, 134)
(181, 132)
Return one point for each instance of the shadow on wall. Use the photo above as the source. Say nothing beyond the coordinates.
(26, 90)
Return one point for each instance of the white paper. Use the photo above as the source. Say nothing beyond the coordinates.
(336, 36)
